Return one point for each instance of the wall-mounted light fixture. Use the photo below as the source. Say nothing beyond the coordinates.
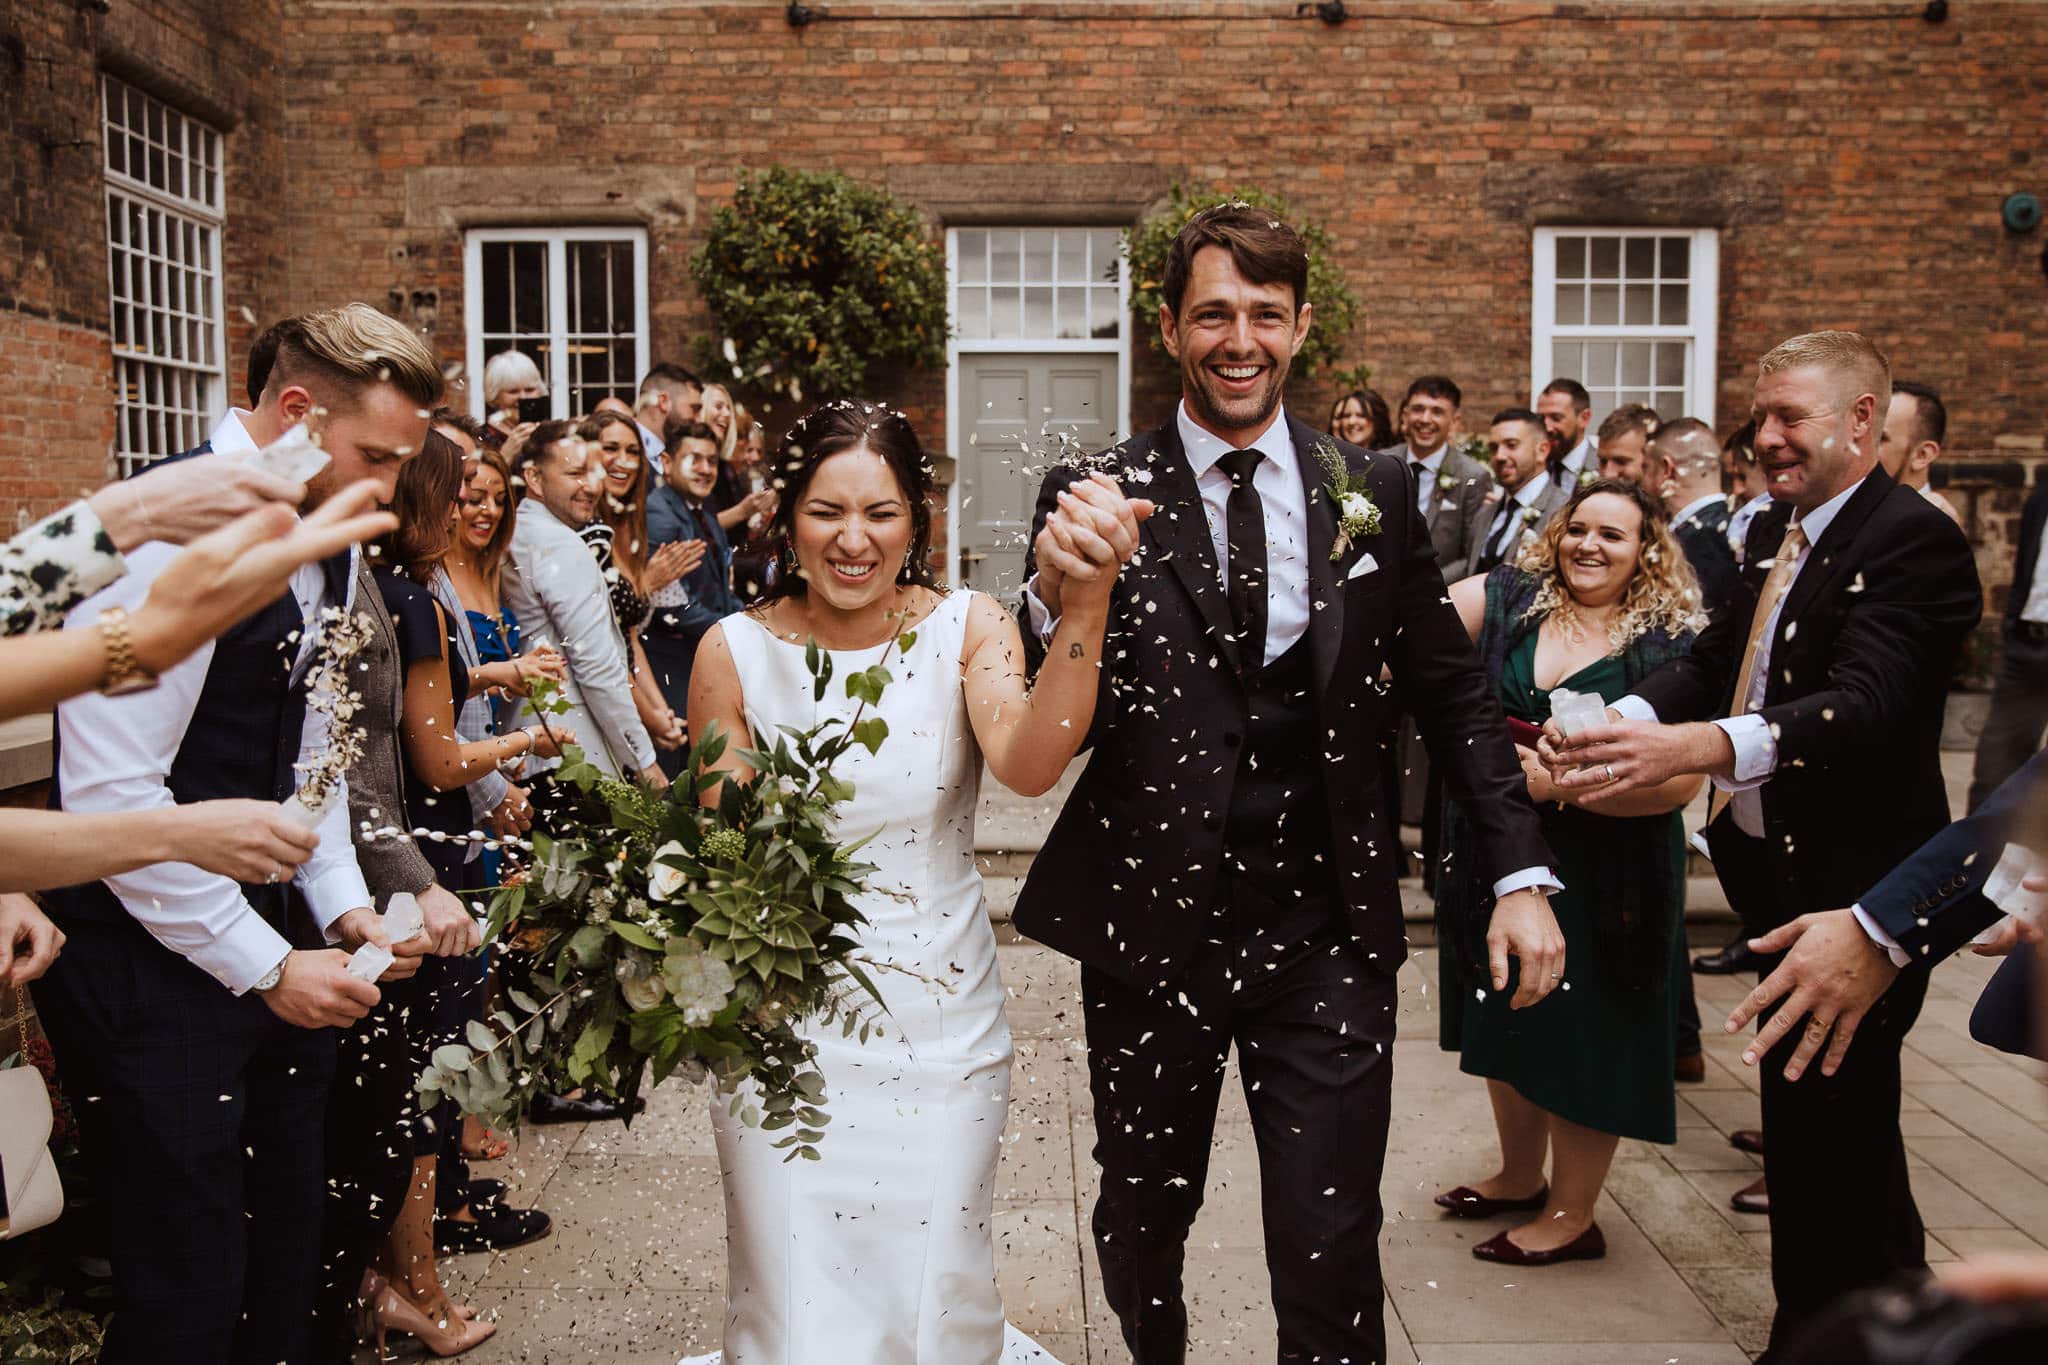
(2021, 212)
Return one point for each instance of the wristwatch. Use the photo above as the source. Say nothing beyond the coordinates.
(268, 981)
(124, 675)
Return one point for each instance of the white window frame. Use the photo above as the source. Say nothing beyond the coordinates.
(957, 346)
(1703, 308)
(206, 213)
(557, 239)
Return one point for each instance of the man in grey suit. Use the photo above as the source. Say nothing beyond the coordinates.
(1450, 487)
(1527, 496)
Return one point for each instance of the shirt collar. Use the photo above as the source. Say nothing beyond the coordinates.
(230, 437)
(1204, 448)
(1815, 523)
(1527, 494)
(1433, 463)
(1696, 504)
(1575, 459)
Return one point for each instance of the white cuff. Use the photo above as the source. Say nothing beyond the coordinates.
(1541, 878)
(242, 954)
(1899, 956)
(1756, 752)
(1632, 707)
(1043, 622)
(333, 893)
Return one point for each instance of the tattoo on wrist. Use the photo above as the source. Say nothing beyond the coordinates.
(1076, 652)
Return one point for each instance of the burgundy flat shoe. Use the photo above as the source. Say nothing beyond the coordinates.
(1466, 1202)
(1587, 1246)
(1751, 1198)
(1749, 1140)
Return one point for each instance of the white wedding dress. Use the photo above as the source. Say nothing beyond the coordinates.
(881, 1253)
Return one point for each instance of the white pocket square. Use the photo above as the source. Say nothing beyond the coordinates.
(1365, 564)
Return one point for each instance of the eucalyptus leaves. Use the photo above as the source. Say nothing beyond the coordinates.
(664, 933)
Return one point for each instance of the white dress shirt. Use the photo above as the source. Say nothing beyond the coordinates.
(1739, 520)
(1516, 504)
(650, 449)
(1278, 483)
(1425, 482)
(115, 754)
(1580, 456)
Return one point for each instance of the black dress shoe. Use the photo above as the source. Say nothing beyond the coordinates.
(1736, 957)
(484, 1191)
(548, 1107)
(1466, 1202)
(1587, 1246)
(1754, 1197)
(496, 1227)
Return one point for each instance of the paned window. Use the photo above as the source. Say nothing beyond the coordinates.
(1037, 284)
(1629, 313)
(165, 209)
(574, 300)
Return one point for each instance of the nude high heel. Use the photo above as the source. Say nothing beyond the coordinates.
(395, 1312)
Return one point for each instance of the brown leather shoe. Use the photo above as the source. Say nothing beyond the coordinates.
(1691, 1069)
(1466, 1202)
(1587, 1246)
(1751, 1198)
(1749, 1140)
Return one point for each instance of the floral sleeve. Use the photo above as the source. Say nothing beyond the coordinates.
(52, 567)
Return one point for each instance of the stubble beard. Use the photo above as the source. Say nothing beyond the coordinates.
(1252, 414)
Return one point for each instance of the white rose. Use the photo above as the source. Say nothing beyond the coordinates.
(1355, 507)
(663, 880)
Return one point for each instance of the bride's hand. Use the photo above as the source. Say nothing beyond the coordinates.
(1093, 533)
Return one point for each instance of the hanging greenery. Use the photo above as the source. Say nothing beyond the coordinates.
(1336, 307)
(817, 281)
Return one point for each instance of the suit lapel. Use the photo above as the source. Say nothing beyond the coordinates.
(1180, 528)
(1840, 533)
(1325, 592)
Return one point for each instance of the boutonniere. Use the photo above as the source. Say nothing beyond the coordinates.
(1531, 515)
(1446, 482)
(1588, 476)
(1357, 514)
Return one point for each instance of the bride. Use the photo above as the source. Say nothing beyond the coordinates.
(881, 1252)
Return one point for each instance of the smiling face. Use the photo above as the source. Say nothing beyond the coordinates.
(1624, 458)
(482, 507)
(1519, 449)
(1600, 549)
(368, 437)
(1565, 423)
(618, 450)
(1428, 420)
(1350, 422)
(717, 410)
(567, 481)
(1812, 439)
(1235, 341)
(693, 470)
(852, 530)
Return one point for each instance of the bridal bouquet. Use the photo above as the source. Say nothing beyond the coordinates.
(669, 936)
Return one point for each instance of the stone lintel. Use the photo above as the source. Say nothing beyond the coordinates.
(1633, 196)
(549, 196)
(1111, 195)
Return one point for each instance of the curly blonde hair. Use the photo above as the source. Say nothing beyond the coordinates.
(1663, 593)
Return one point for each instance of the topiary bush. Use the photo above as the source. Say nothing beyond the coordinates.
(1336, 307)
(816, 281)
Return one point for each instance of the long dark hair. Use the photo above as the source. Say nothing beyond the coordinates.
(429, 485)
(842, 425)
(627, 518)
(1375, 409)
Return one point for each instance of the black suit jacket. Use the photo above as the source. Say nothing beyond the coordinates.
(2032, 519)
(1704, 537)
(1127, 877)
(1858, 681)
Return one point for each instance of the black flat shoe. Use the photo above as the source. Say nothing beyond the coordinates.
(1736, 957)
(552, 1108)
(1587, 1246)
(481, 1192)
(496, 1228)
(1466, 1202)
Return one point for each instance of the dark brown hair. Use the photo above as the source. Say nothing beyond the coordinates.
(491, 558)
(1264, 249)
(429, 485)
(627, 517)
(848, 424)
(1375, 409)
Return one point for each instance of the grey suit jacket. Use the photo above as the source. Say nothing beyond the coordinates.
(1554, 496)
(1458, 514)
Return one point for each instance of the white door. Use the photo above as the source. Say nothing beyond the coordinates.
(1011, 407)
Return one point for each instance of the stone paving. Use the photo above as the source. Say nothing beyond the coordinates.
(635, 1269)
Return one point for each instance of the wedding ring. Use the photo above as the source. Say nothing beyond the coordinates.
(1610, 772)
(1818, 1028)
(271, 880)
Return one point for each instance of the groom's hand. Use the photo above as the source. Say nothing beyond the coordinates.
(1090, 535)
(1523, 928)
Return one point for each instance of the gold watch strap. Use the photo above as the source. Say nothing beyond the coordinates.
(123, 673)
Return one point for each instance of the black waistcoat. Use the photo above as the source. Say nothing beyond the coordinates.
(241, 742)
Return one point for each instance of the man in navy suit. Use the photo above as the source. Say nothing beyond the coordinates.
(682, 613)
(2019, 701)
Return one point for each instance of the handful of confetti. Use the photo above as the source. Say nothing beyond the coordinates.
(296, 455)
(2003, 888)
(402, 918)
(1577, 711)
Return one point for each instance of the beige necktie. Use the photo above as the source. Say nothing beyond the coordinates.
(1776, 583)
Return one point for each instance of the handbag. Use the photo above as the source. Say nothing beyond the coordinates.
(30, 1194)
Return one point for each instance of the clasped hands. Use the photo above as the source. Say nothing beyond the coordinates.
(1602, 762)
(1086, 540)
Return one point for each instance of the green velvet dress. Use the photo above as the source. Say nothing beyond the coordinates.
(1597, 1051)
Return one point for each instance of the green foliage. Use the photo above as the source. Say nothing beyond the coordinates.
(815, 279)
(1336, 306)
(667, 934)
(37, 1324)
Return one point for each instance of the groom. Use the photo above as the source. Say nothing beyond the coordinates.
(1220, 871)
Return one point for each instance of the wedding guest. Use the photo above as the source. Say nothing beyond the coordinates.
(612, 403)
(215, 1218)
(679, 515)
(1361, 417)
(509, 378)
(1831, 689)
(558, 594)
(1747, 493)
(1624, 443)
(2019, 695)
(633, 572)
(1567, 412)
(1599, 600)
(1687, 464)
(1915, 425)
(1526, 498)
(668, 393)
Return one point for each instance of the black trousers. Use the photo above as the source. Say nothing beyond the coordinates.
(2019, 714)
(200, 1115)
(1314, 1029)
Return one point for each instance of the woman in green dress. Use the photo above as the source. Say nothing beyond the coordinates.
(1595, 603)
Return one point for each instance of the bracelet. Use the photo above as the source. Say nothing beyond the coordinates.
(123, 674)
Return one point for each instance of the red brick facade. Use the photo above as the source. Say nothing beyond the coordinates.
(1854, 164)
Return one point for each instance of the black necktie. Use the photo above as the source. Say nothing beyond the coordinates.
(1245, 533)
(1491, 556)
